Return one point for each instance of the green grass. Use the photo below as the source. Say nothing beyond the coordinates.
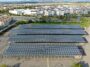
(85, 22)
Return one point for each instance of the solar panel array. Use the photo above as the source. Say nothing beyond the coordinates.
(45, 40)
(48, 31)
(42, 50)
(48, 26)
(72, 44)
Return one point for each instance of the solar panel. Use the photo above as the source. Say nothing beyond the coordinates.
(47, 38)
(57, 26)
(17, 35)
(48, 31)
(41, 50)
(72, 44)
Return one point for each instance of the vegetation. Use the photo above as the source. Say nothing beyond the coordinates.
(86, 15)
(85, 22)
(3, 65)
(24, 7)
(22, 22)
(65, 17)
(4, 11)
(76, 65)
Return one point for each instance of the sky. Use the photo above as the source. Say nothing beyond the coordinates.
(39, 0)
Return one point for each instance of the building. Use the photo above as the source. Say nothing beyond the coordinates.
(30, 12)
(17, 11)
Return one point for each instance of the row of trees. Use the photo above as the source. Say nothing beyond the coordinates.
(24, 7)
(64, 18)
(4, 11)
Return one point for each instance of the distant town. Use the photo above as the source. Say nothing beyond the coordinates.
(52, 10)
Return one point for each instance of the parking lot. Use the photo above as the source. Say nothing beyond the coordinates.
(39, 62)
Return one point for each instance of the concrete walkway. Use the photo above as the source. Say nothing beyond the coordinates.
(87, 48)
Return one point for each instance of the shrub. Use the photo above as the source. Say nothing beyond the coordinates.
(22, 22)
(76, 65)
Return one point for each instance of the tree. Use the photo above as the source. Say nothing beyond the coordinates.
(30, 21)
(67, 17)
(22, 22)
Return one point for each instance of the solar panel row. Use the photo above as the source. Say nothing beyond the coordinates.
(24, 44)
(42, 50)
(18, 35)
(48, 31)
(47, 38)
(50, 26)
